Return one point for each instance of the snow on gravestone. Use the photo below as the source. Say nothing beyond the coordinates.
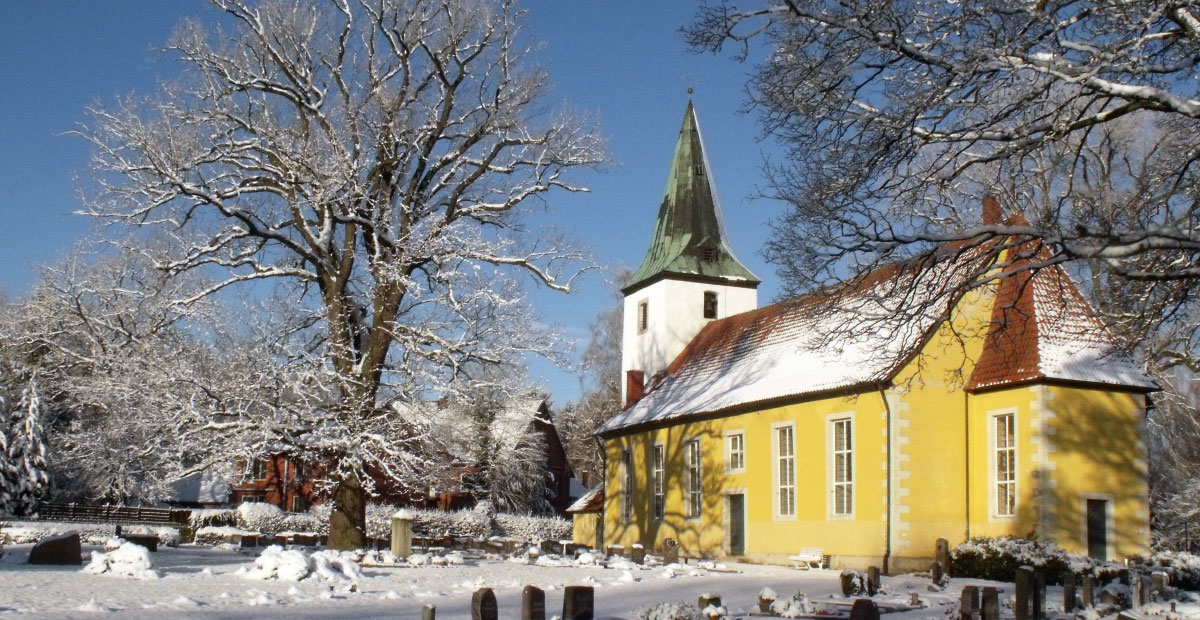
(61, 549)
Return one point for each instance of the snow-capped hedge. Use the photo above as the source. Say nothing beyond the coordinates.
(534, 529)
(668, 611)
(205, 517)
(24, 532)
(999, 558)
(217, 534)
(266, 519)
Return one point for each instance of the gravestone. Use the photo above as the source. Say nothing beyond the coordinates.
(429, 612)
(402, 536)
(937, 571)
(1141, 592)
(578, 603)
(851, 582)
(969, 602)
(1039, 595)
(1024, 596)
(62, 549)
(670, 551)
(1158, 584)
(638, 555)
(533, 603)
(991, 604)
(483, 605)
(1088, 591)
(942, 554)
(864, 609)
(1068, 592)
(872, 580)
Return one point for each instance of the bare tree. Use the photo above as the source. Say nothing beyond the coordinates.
(898, 117)
(378, 157)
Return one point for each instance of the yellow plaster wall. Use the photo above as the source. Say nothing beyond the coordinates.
(584, 526)
(1022, 402)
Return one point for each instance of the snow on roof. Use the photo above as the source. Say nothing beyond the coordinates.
(452, 425)
(204, 487)
(807, 345)
(592, 501)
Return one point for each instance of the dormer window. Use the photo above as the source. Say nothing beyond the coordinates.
(710, 305)
(710, 254)
(699, 170)
(643, 316)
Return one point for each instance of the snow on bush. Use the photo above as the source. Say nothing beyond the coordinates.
(1183, 567)
(305, 522)
(533, 529)
(128, 560)
(767, 595)
(277, 563)
(796, 606)
(212, 517)
(999, 558)
(668, 611)
(261, 517)
(217, 534)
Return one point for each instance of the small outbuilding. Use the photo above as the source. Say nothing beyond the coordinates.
(585, 515)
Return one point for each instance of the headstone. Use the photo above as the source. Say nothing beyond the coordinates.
(1123, 576)
(62, 549)
(1141, 590)
(483, 605)
(1039, 595)
(872, 580)
(1024, 596)
(670, 551)
(937, 570)
(578, 603)
(1068, 592)
(533, 603)
(149, 541)
(942, 554)
(1088, 591)
(638, 555)
(429, 612)
(402, 537)
(708, 599)
(969, 602)
(864, 609)
(1158, 584)
(990, 603)
(851, 582)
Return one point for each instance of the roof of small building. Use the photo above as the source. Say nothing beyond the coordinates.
(449, 424)
(592, 501)
(689, 240)
(813, 344)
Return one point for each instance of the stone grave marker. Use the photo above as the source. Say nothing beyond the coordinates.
(533, 603)
(1088, 591)
(483, 605)
(864, 609)
(1158, 584)
(942, 554)
(1024, 596)
(578, 603)
(670, 551)
(1039, 595)
(638, 555)
(872, 580)
(1068, 592)
(969, 602)
(937, 571)
(708, 599)
(62, 549)
(851, 582)
(991, 604)
(429, 612)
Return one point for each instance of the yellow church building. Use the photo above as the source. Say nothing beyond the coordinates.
(760, 432)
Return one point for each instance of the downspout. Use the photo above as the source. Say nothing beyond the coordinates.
(967, 452)
(887, 546)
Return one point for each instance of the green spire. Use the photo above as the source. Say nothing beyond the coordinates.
(688, 239)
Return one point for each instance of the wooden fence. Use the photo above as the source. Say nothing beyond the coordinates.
(91, 513)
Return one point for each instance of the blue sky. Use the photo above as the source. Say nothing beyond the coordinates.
(622, 63)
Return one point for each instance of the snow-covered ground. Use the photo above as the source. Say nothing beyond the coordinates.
(213, 582)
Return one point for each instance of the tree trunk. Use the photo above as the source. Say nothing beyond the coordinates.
(348, 521)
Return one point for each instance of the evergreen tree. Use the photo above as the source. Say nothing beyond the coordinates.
(25, 477)
(8, 473)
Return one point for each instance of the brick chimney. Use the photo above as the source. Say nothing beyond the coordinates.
(634, 386)
(992, 214)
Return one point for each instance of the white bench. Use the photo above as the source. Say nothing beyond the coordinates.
(809, 557)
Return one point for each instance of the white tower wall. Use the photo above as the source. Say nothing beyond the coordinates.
(675, 313)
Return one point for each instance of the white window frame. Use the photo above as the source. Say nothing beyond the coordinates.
(626, 485)
(693, 479)
(658, 481)
(730, 452)
(776, 487)
(831, 482)
(993, 465)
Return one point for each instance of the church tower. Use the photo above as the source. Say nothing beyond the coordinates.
(689, 276)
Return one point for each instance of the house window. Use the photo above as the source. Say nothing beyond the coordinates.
(710, 305)
(1004, 429)
(643, 316)
(692, 485)
(258, 469)
(735, 452)
(785, 451)
(626, 486)
(300, 503)
(253, 498)
(842, 466)
(659, 476)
